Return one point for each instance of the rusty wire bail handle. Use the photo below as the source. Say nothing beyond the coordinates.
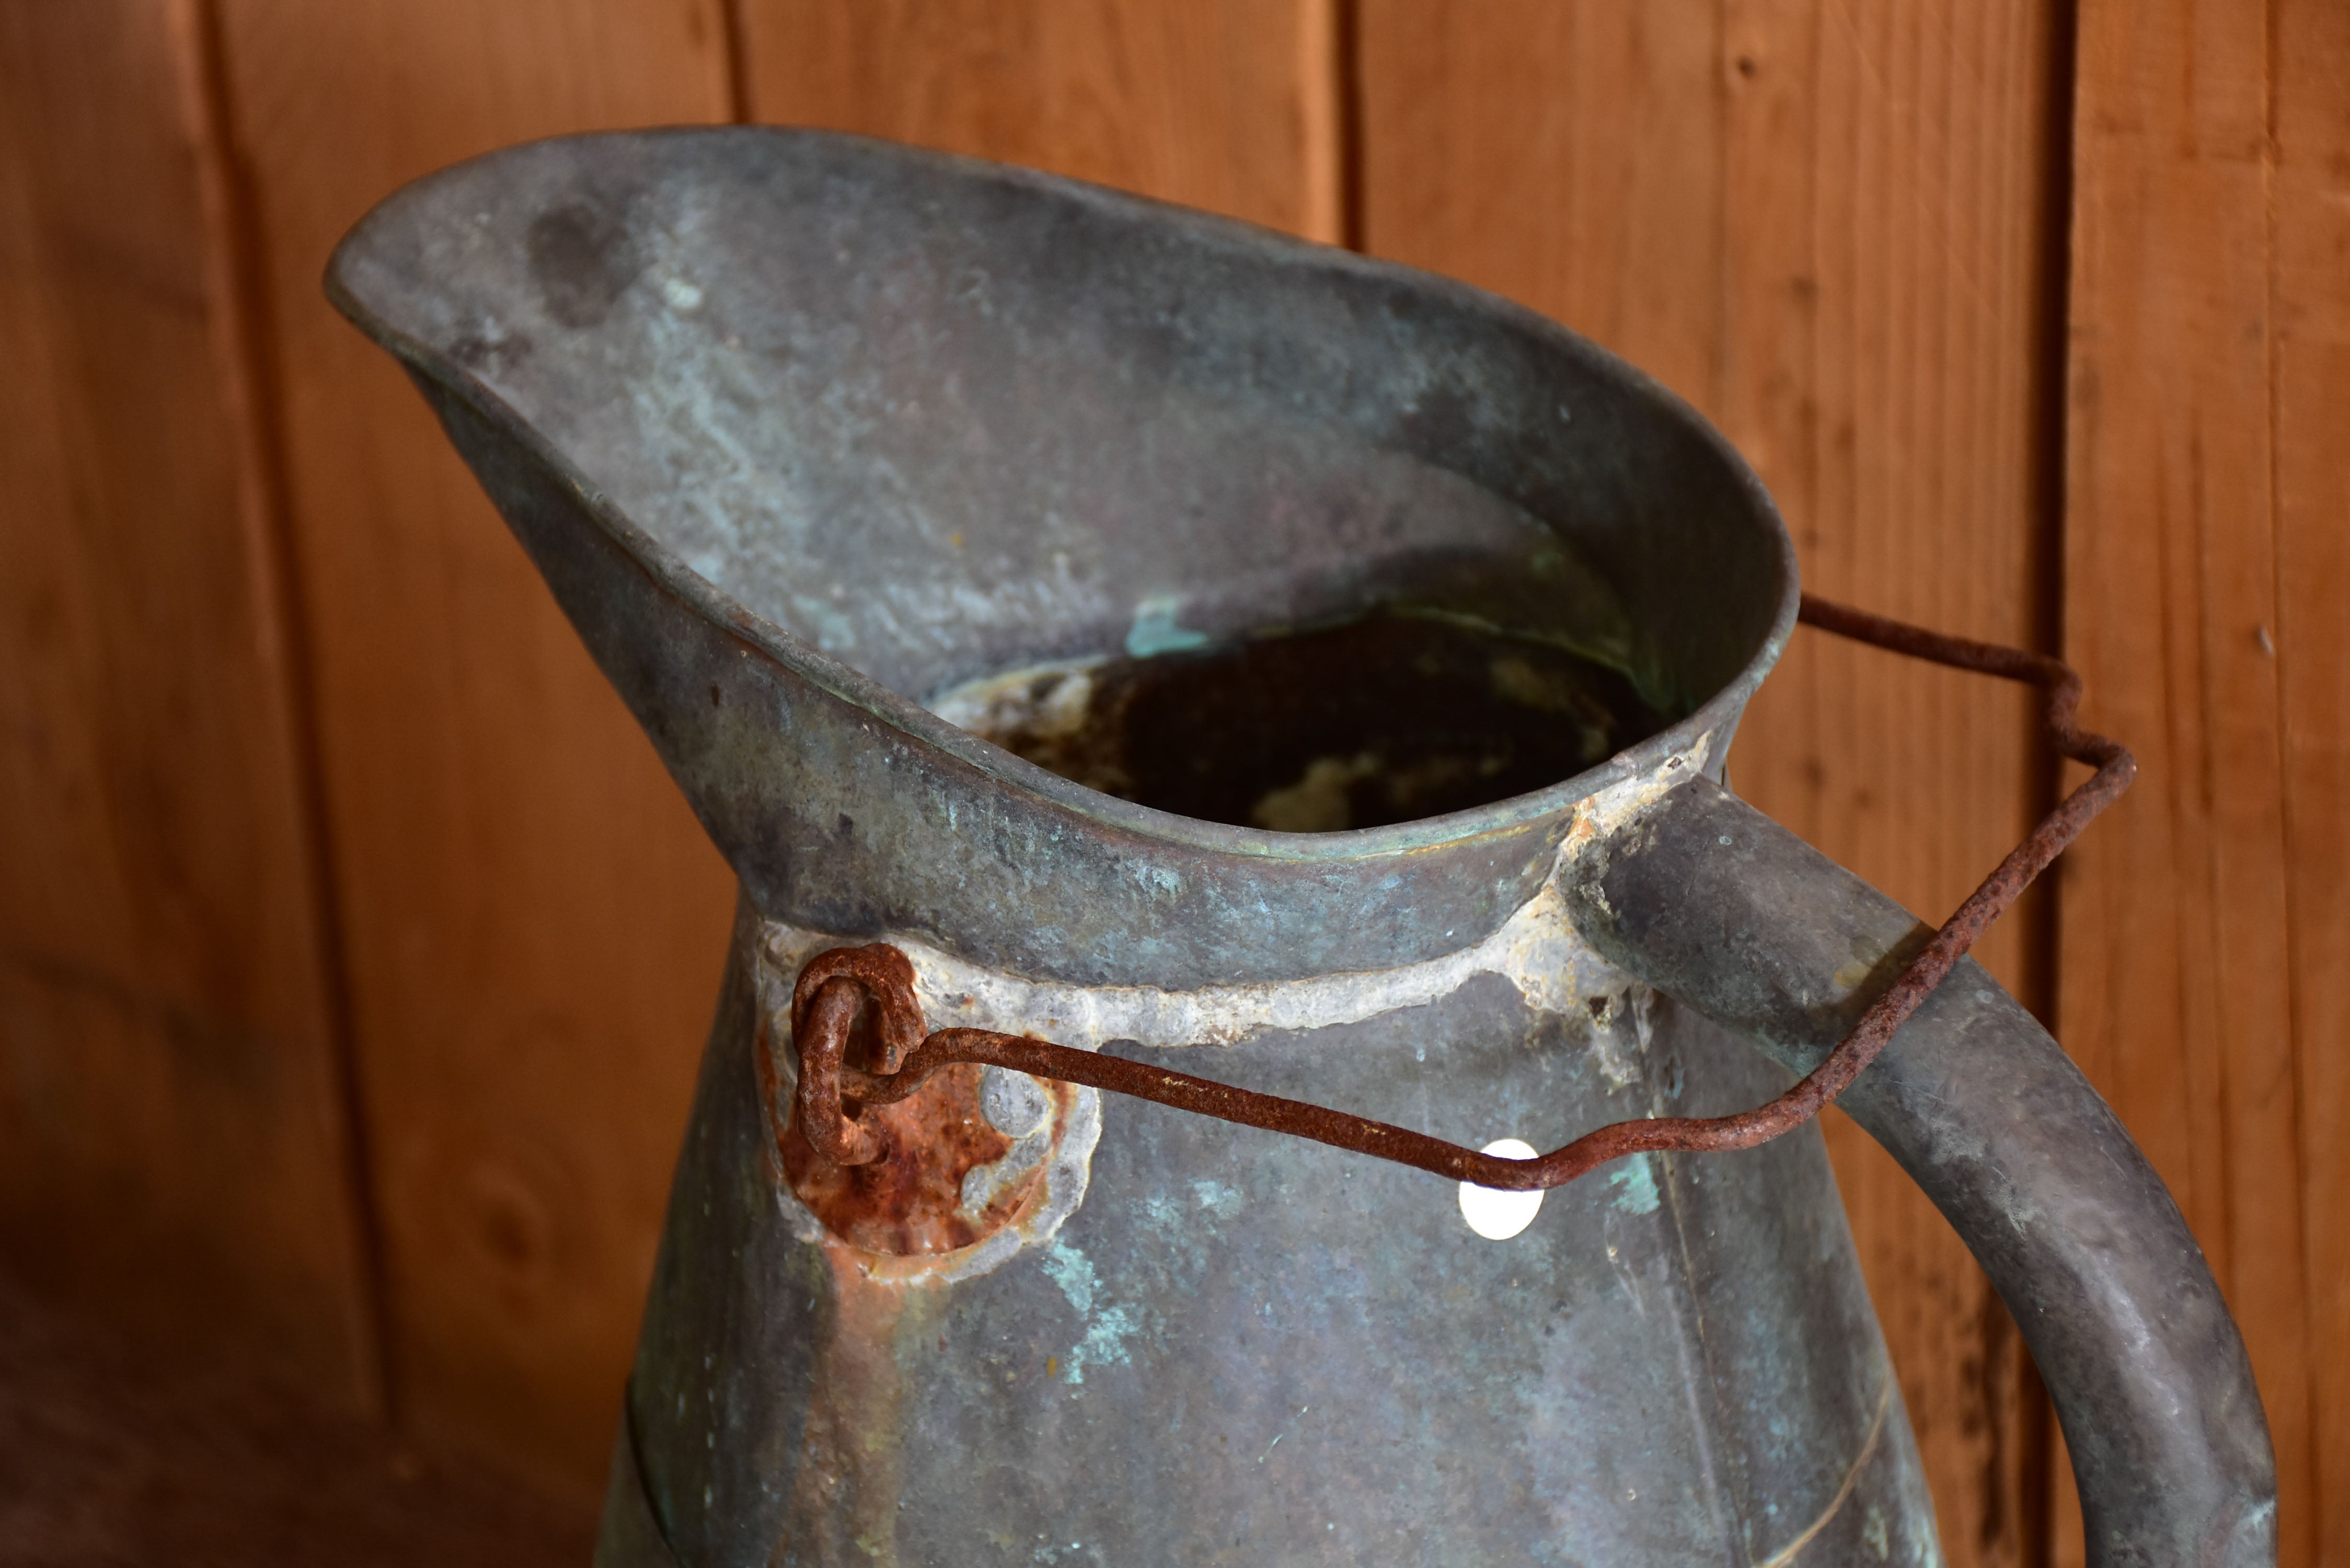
(836, 986)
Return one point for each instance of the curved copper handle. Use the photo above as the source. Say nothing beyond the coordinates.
(835, 985)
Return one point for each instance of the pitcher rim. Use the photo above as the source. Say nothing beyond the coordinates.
(1717, 714)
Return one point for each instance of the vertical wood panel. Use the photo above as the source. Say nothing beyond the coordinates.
(1224, 104)
(2308, 304)
(1825, 226)
(1889, 311)
(1567, 155)
(2204, 922)
(172, 1140)
(1819, 223)
(535, 922)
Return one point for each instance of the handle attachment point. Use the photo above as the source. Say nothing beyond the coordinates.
(834, 986)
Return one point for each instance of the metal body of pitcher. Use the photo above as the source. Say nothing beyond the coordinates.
(806, 432)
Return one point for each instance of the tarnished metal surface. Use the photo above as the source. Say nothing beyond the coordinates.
(915, 1063)
(1711, 901)
(1236, 1343)
(926, 419)
(806, 433)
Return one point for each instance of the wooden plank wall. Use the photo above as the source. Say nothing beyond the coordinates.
(336, 876)
(2309, 441)
(533, 922)
(1826, 228)
(174, 1137)
(2206, 940)
(1230, 105)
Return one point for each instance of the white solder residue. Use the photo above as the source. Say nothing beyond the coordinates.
(1537, 950)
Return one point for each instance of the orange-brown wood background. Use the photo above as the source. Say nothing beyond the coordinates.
(354, 953)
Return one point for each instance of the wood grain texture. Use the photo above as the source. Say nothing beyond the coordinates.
(535, 921)
(114, 1455)
(2203, 928)
(2180, 925)
(2309, 381)
(1229, 105)
(1823, 225)
(172, 1139)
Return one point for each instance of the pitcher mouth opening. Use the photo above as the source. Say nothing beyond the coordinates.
(900, 423)
(1400, 727)
(1398, 715)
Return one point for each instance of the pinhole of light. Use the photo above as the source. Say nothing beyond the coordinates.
(1495, 1215)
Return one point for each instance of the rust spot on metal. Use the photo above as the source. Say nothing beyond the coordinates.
(909, 1199)
(848, 1084)
(894, 1177)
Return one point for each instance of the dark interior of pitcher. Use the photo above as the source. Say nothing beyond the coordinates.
(1331, 546)
(1387, 717)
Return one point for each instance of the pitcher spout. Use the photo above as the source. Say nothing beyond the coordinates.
(809, 434)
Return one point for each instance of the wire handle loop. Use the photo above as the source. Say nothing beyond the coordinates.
(837, 987)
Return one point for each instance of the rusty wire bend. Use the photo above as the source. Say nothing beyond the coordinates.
(834, 986)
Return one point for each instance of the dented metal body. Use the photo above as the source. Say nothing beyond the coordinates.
(807, 433)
